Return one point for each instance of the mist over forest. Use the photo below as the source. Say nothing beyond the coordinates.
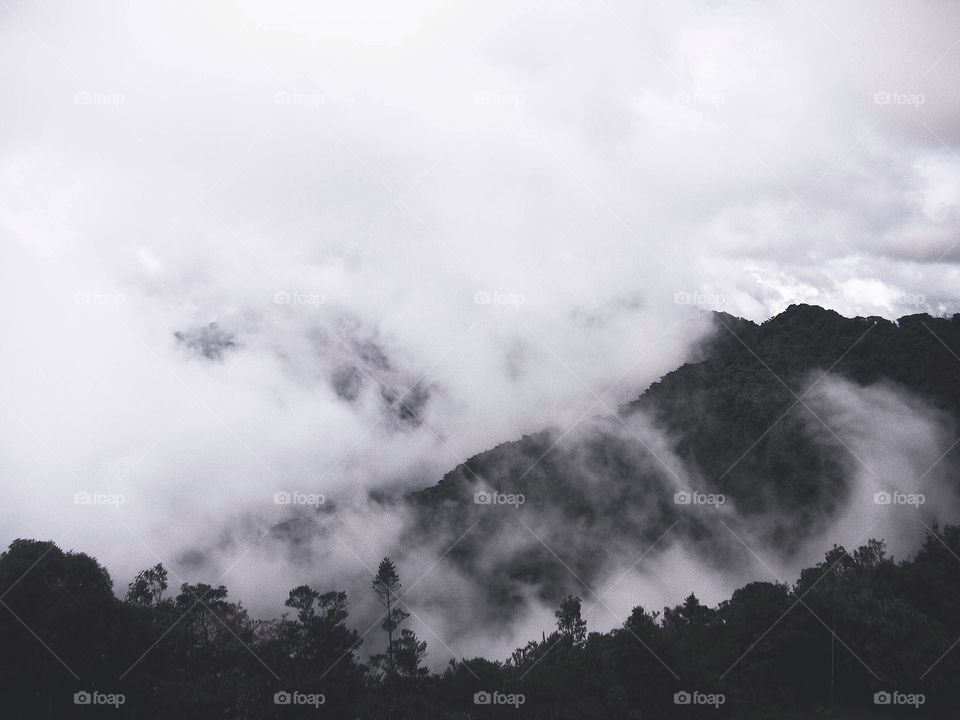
(642, 542)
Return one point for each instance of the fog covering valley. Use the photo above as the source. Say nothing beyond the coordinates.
(745, 463)
(797, 439)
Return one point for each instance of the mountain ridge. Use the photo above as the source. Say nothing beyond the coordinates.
(735, 421)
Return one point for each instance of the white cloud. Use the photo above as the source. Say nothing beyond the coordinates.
(196, 160)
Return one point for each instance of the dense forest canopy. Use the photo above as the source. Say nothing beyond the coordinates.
(860, 632)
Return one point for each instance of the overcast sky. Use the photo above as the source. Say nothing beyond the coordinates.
(514, 208)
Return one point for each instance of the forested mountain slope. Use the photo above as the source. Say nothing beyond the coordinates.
(744, 420)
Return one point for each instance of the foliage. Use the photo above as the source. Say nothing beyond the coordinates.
(854, 624)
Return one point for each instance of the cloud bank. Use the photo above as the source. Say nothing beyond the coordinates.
(250, 249)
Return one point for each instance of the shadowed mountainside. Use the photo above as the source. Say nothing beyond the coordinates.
(737, 421)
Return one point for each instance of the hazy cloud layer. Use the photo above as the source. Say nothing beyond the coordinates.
(251, 248)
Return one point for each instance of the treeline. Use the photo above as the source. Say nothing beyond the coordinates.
(859, 635)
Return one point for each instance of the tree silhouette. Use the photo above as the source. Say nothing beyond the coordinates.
(386, 584)
(206, 658)
(148, 587)
(410, 653)
(569, 622)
